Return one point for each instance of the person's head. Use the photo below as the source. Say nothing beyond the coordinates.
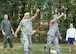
(5, 16)
(27, 15)
(71, 25)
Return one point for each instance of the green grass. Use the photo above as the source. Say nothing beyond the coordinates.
(37, 49)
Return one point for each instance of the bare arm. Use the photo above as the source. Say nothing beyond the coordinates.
(3, 32)
(12, 31)
(36, 14)
(55, 19)
(17, 30)
(67, 35)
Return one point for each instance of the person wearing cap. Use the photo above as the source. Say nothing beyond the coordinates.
(27, 31)
(6, 29)
(71, 37)
(53, 34)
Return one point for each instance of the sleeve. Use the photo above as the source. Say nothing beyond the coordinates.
(67, 33)
(20, 25)
(31, 19)
(58, 33)
(2, 25)
(55, 19)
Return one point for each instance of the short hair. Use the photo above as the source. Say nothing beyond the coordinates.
(72, 23)
(5, 14)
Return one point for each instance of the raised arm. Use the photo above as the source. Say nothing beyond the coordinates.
(56, 18)
(36, 14)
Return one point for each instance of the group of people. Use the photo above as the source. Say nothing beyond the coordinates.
(27, 31)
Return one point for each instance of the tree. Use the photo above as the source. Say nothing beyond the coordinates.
(16, 9)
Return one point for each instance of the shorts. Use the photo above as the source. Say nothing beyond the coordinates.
(71, 40)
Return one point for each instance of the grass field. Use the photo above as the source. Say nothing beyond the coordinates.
(37, 49)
